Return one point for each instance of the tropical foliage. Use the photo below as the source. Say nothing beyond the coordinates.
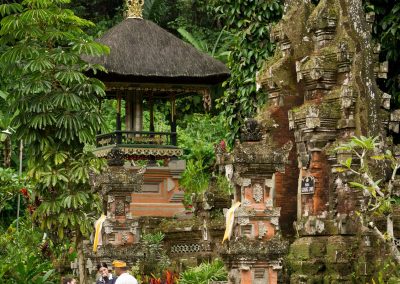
(155, 260)
(386, 31)
(23, 259)
(55, 103)
(10, 185)
(199, 137)
(56, 108)
(248, 23)
(204, 273)
(49, 101)
(370, 160)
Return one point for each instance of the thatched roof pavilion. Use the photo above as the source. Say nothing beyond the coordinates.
(141, 51)
(147, 63)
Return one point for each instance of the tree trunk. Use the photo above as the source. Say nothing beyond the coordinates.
(389, 227)
(394, 251)
(81, 258)
(7, 152)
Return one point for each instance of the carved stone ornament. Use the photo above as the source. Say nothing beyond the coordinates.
(262, 230)
(275, 221)
(125, 238)
(120, 207)
(251, 131)
(269, 202)
(243, 221)
(229, 172)
(115, 158)
(273, 212)
(115, 252)
(114, 179)
(108, 229)
(258, 193)
(245, 212)
(267, 157)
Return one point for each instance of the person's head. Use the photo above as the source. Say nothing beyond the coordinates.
(102, 268)
(119, 267)
(69, 280)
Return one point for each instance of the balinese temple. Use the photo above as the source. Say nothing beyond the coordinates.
(148, 68)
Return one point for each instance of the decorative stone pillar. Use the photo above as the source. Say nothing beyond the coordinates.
(116, 185)
(255, 251)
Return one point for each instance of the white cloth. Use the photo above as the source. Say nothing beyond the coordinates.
(126, 278)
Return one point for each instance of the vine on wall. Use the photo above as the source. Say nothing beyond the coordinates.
(248, 22)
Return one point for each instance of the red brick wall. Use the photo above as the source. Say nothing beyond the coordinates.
(286, 184)
(320, 170)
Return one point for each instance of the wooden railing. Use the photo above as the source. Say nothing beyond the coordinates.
(136, 138)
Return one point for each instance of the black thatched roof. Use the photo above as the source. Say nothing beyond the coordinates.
(143, 52)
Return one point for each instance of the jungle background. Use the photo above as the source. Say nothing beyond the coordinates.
(233, 31)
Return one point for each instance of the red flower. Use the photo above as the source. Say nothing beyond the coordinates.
(222, 145)
(24, 192)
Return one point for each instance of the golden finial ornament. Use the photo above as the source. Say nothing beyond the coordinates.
(135, 8)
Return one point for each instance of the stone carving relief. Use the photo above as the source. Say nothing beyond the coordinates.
(125, 238)
(229, 172)
(243, 221)
(120, 207)
(312, 118)
(258, 193)
(275, 221)
(251, 131)
(245, 212)
(108, 229)
(185, 248)
(262, 229)
(269, 202)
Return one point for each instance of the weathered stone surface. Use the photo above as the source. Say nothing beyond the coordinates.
(326, 63)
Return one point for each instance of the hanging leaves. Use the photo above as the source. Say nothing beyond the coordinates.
(55, 106)
(248, 22)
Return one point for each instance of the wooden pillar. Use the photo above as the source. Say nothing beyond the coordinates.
(173, 123)
(137, 112)
(151, 106)
(134, 112)
(128, 112)
(118, 122)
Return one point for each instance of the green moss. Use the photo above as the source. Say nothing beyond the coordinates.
(330, 110)
(317, 249)
(217, 222)
(301, 249)
(180, 225)
(330, 226)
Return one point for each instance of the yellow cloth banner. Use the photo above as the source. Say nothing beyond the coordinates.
(97, 236)
(230, 217)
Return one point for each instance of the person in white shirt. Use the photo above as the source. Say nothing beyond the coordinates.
(122, 272)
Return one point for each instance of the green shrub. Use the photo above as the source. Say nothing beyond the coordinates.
(205, 272)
